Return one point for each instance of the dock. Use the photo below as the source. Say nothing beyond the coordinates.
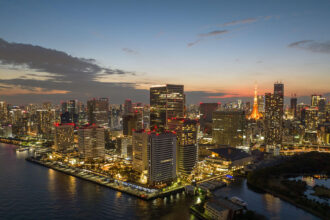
(101, 180)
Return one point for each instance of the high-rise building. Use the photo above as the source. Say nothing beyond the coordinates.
(98, 111)
(140, 150)
(187, 152)
(261, 103)
(205, 116)
(128, 106)
(91, 142)
(126, 147)
(293, 106)
(310, 118)
(3, 112)
(274, 111)
(44, 122)
(161, 158)
(166, 101)
(129, 124)
(63, 137)
(228, 127)
(322, 104)
(315, 100)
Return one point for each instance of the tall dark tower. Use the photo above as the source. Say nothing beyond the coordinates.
(279, 111)
(293, 106)
(166, 102)
(274, 104)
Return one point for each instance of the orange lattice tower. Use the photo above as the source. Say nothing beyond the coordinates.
(255, 114)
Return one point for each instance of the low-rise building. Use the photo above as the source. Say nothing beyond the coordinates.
(215, 211)
(229, 158)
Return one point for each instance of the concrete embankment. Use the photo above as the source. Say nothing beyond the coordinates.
(137, 193)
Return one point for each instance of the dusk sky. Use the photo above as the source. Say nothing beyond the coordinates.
(58, 50)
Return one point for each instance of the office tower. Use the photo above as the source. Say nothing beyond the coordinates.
(323, 133)
(255, 114)
(187, 153)
(239, 104)
(322, 104)
(310, 118)
(315, 100)
(131, 122)
(261, 103)
(322, 111)
(140, 151)
(72, 106)
(247, 107)
(66, 118)
(46, 105)
(44, 123)
(98, 112)
(6, 131)
(127, 106)
(293, 106)
(3, 112)
(138, 111)
(228, 127)
(274, 115)
(166, 101)
(205, 116)
(162, 158)
(126, 150)
(64, 107)
(91, 142)
(63, 137)
(300, 108)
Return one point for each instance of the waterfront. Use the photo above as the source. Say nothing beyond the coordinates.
(30, 191)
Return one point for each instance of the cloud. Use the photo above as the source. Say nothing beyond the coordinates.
(194, 43)
(51, 71)
(213, 33)
(243, 21)
(206, 35)
(62, 65)
(130, 51)
(311, 45)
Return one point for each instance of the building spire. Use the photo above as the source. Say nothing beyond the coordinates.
(255, 114)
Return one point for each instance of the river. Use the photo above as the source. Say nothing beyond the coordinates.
(30, 191)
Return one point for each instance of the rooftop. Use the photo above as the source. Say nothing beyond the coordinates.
(230, 153)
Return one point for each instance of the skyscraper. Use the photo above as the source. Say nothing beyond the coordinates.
(166, 101)
(3, 112)
(293, 106)
(140, 150)
(315, 100)
(98, 111)
(261, 103)
(63, 137)
(205, 116)
(162, 158)
(129, 124)
(228, 127)
(91, 142)
(127, 106)
(187, 153)
(274, 111)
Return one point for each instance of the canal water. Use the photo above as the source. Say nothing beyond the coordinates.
(30, 191)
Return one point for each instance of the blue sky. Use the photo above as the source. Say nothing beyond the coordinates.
(215, 47)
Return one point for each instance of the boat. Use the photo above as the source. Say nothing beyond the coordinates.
(21, 149)
(238, 201)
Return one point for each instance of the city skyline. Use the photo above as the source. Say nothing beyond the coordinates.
(93, 51)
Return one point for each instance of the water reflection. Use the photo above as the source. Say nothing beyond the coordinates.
(272, 204)
(35, 191)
